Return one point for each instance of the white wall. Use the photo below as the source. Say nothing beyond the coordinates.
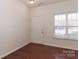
(47, 12)
(14, 26)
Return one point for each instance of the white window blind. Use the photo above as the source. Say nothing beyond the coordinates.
(66, 26)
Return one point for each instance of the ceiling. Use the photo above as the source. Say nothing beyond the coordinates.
(41, 2)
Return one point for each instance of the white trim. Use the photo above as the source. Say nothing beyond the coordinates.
(54, 45)
(60, 46)
(66, 37)
(13, 50)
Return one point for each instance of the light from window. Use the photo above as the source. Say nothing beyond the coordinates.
(66, 25)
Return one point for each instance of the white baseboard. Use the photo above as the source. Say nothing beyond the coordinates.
(13, 50)
(27, 44)
(55, 45)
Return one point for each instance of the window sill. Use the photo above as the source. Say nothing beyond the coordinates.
(66, 37)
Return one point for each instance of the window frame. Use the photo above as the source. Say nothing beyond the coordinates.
(67, 27)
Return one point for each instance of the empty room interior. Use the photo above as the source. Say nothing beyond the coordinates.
(38, 29)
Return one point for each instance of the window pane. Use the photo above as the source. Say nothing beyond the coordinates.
(60, 31)
(73, 31)
(66, 26)
(72, 19)
(60, 20)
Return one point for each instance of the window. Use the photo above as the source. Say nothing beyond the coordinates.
(66, 26)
